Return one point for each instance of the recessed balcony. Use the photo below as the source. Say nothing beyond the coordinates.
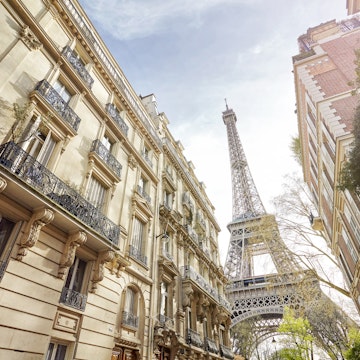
(115, 115)
(58, 104)
(137, 255)
(78, 65)
(107, 158)
(194, 338)
(129, 319)
(26, 168)
(73, 299)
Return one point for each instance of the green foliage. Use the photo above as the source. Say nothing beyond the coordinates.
(295, 148)
(353, 353)
(298, 329)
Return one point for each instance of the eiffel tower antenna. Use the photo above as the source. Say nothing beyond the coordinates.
(245, 197)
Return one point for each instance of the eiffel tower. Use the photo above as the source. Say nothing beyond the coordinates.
(254, 235)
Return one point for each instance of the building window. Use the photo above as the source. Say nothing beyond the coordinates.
(56, 351)
(137, 247)
(6, 232)
(107, 142)
(146, 153)
(61, 89)
(168, 198)
(164, 302)
(96, 194)
(130, 316)
(73, 291)
(38, 141)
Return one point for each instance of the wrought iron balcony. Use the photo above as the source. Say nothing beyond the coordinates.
(111, 162)
(137, 254)
(166, 321)
(192, 233)
(144, 194)
(210, 345)
(73, 298)
(26, 168)
(193, 338)
(188, 272)
(114, 113)
(78, 66)
(226, 352)
(58, 104)
(147, 159)
(130, 319)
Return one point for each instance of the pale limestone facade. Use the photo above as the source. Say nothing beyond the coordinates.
(108, 241)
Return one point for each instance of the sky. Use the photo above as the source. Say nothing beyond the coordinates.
(192, 54)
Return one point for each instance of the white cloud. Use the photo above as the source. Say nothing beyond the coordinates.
(128, 19)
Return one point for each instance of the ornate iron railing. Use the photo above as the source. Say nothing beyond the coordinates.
(73, 298)
(144, 194)
(193, 338)
(210, 345)
(188, 272)
(78, 66)
(130, 319)
(110, 160)
(147, 159)
(192, 233)
(169, 322)
(25, 167)
(226, 352)
(114, 113)
(58, 104)
(137, 254)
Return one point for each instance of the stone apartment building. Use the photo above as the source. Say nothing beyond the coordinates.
(324, 73)
(108, 241)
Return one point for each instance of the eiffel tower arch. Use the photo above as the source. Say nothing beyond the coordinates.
(254, 238)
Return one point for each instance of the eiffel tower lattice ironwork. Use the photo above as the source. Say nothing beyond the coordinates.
(253, 232)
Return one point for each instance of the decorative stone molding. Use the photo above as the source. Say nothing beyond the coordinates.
(32, 231)
(132, 162)
(74, 241)
(29, 39)
(188, 292)
(118, 264)
(102, 258)
(3, 184)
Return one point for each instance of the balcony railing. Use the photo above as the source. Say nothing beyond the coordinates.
(226, 352)
(58, 104)
(147, 159)
(192, 233)
(114, 113)
(137, 254)
(130, 319)
(101, 150)
(193, 338)
(188, 272)
(26, 168)
(144, 194)
(73, 298)
(169, 322)
(210, 345)
(78, 66)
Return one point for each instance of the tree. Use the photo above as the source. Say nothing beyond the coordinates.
(353, 352)
(299, 338)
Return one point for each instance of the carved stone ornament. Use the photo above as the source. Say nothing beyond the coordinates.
(32, 231)
(103, 258)
(3, 184)
(29, 39)
(132, 162)
(188, 292)
(74, 241)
